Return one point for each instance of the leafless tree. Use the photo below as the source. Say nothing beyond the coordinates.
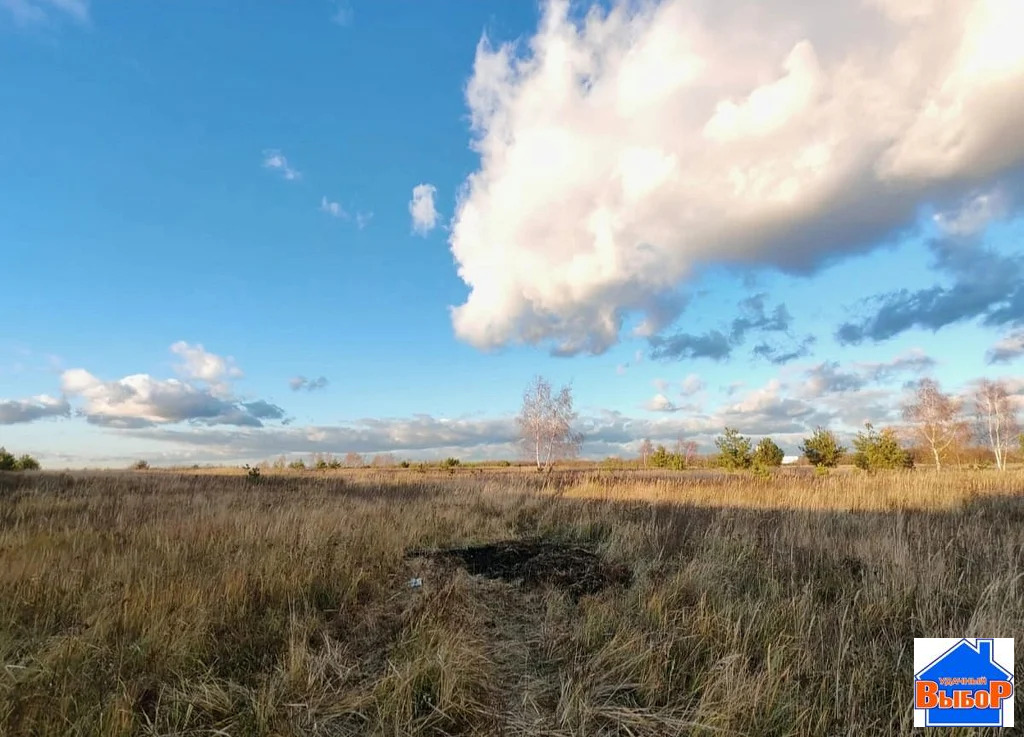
(545, 423)
(646, 448)
(996, 418)
(384, 460)
(935, 418)
(353, 460)
(687, 449)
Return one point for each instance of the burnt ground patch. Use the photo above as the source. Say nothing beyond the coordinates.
(573, 569)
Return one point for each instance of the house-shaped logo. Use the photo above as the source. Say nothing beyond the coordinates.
(963, 684)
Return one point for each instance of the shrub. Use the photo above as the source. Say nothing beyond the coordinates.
(405, 464)
(450, 463)
(733, 450)
(252, 472)
(504, 464)
(662, 458)
(876, 450)
(822, 448)
(7, 461)
(298, 465)
(28, 463)
(141, 465)
(768, 454)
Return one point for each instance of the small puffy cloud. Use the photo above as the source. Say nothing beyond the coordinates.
(300, 383)
(1009, 348)
(713, 344)
(198, 363)
(421, 208)
(624, 149)
(334, 209)
(828, 378)
(661, 403)
(363, 219)
(275, 160)
(140, 400)
(15, 411)
(39, 11)
(691, 385)
(782, 352)
(974, 215)
(913, 361)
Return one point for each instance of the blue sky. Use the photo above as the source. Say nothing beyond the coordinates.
(203, 204)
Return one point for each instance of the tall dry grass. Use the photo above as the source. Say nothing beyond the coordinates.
(159, 604)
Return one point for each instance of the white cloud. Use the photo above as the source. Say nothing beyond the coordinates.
(1008, 348)
(973, 215)
(200, 364)
(334, 209)
(38, 11)
(363, 219)
(274, 159)
(141, 400)
(660, 403)
(15, 411)
(691, 385)
(421, 207)
(621, 153)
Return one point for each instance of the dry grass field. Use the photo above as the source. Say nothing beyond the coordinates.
(658, 604)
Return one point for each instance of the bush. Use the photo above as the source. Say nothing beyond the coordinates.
(733, 450)
(28, 463)
(877, 450)
(662, 458)
(768, 454)
(141, 465)
(822, 448)
(252, 472)
(405, 464)
(450, 463)
(298, 465)
(9, 463)
(504, 464)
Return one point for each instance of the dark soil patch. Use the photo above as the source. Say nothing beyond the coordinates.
(536, 562)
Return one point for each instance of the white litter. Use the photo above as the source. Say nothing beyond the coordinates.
(415, 583)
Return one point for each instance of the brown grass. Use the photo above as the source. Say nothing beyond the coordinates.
(195, 604)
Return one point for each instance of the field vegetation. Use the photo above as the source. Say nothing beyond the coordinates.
(306, 602)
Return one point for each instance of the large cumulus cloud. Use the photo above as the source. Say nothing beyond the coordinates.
(622, 151)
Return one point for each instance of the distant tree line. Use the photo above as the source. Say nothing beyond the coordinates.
(936, 428)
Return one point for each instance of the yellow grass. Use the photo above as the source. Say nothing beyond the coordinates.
(193, 603)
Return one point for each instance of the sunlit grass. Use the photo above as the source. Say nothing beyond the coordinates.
(158, 603)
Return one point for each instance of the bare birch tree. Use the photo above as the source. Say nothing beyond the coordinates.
(545, 423)
(646, 448)
(996, 418)
(935, 418)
